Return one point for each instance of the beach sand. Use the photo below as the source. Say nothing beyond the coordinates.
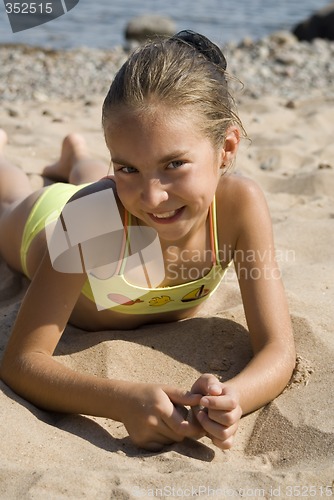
(289, 443)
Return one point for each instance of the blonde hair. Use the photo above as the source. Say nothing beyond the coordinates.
(181, 71)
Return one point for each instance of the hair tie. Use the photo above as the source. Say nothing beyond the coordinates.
(207, 48)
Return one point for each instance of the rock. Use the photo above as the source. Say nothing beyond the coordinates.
(290, 104)
(275, 65)
(143, 27)
(246, 43)
(283, 38)
(13, 112)
(289, 58)
(319, 25)
(324, 165)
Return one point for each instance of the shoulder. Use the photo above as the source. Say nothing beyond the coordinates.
(93, 201)
(95, 187)
(91, 191)
(239, 190)
(241, 208)
(239, 196)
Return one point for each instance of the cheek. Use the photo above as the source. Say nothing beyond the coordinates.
(124, 192)
(124, 186)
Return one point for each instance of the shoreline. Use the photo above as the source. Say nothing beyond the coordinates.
(278, 65)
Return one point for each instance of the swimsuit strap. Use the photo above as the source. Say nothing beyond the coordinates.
(126, 236)
(125, 252)
(214, 232)
(212, 228)
(125, 243)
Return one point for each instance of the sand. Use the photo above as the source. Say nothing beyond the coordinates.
(283, 450)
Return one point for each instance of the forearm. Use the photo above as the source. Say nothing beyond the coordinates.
(46, 383)
(148, 411)
(265, 376)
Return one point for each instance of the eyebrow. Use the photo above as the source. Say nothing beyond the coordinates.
(171, 156)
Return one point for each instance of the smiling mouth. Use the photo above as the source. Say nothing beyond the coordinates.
(167, 216)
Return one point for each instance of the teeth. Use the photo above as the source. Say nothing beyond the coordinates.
(165, 215)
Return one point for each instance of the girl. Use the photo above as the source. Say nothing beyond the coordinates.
(172, 135)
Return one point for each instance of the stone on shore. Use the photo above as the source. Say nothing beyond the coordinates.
(319, 25)
(276, 65)
(144, 27)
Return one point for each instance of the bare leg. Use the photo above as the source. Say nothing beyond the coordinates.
(17, 195)
(74, 165)
(14, 183)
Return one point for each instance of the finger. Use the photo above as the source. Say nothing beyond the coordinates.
(193, 419)
(157, 444)
(226, 418)
(155, 438)
(183, 411)
(152, 446)
(161, 439)
(220, 409)
(179, 427)
(189, 416)
(224, 402)
(207, 384)
(215, 430)
(223, 445)
(182, 397)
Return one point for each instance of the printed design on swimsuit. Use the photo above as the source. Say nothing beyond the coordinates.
(196, 294)
(129, 298)
(122, 299)
(160, 301)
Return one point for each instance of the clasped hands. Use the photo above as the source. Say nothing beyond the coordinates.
(156, 415)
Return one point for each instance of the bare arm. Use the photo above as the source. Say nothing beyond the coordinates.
(28, 366)
(148, 411)
(265, 307)
(267, 317)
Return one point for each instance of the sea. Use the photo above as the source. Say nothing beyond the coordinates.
(102, 23)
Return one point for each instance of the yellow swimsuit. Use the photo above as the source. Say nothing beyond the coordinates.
(51, 201)
(116, 292)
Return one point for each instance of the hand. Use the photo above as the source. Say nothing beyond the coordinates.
(220, 412)
(154, 415)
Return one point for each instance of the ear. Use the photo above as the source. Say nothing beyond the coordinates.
(230, 147)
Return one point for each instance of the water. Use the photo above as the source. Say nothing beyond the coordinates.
(101, 23)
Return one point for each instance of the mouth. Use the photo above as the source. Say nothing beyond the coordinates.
(167, 217)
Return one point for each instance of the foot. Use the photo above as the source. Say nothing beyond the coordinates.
(3, 139)
(73, 150)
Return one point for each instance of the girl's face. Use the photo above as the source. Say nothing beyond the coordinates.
(166, 171)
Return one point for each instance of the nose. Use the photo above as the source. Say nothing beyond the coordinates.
(153, 193)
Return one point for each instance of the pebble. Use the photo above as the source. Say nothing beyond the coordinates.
(324, 166)
(278, 65)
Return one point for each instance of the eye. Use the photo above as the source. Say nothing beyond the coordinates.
(127, 170)
(175, 164)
